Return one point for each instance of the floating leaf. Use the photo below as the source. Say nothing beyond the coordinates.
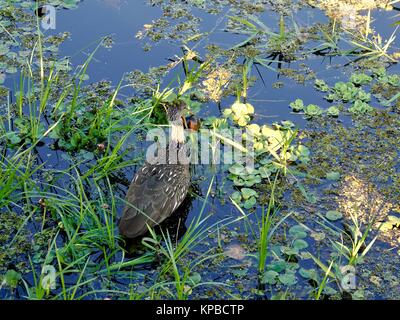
(321, 85)
(288, 279)
(270, 277)
(360, 79)
(12, 278)
(248, 193)
(195, 278)
(318, 236)
(237, 169)
(265, 172)
(333, 111)
(13, 137)
(250, 203)
(289, 251)
(297, 105)
(237, 197)
(334, 215)
(300, 244)
(312, 110)
(298, 232)
(361, 107)
(309, 274)
(333, 176)
(277, 266)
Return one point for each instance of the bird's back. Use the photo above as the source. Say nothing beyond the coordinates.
(154, 194)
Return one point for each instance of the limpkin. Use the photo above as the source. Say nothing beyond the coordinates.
(157, 189)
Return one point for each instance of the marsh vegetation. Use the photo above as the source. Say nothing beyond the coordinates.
(316, 84)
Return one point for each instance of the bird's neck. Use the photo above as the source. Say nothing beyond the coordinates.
(177, 134)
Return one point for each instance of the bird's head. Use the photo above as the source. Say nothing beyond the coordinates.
(175, 111)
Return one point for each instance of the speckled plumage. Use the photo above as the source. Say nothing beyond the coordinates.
(154, 194)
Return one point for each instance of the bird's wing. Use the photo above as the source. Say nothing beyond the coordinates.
(155, 192)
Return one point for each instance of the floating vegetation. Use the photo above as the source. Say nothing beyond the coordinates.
(316, 104)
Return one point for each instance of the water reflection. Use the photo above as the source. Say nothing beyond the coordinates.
(351, 13)
(114, 4)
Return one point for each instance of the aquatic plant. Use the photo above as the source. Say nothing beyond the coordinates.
(297, 105)
(312, 110)
(240, 113)
(360, 107)
(95, 133)
(333, 111)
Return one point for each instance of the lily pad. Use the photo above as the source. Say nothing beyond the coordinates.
(300, 244)
(195, 278)
(250, 203)
(247, 193)
(298, 232)
(237, 197)
(334, 215)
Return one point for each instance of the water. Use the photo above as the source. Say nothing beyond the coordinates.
(122, 20)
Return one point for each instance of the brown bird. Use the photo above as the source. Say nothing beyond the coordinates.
(159, 188)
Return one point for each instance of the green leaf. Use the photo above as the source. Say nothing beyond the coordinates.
(265, 172)
(13, 137)
(195, 278)
(248, 193)
(333, 111)
(333, 176)
(312, 110)
(309, 274)
(277, 266)
(361, 107)
(270, 277)
(76, 140)
(250, 203)
(87, 155)
(12, 278)
(237, 197)
(297, 105)
(321, 85)
(300, 244)
(334, 215)
(289, 251)
(288, 279)
(360, 79)
(298, 232)
(237, 169)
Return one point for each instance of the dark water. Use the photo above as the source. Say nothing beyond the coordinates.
(123, 19)
(94, 19)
